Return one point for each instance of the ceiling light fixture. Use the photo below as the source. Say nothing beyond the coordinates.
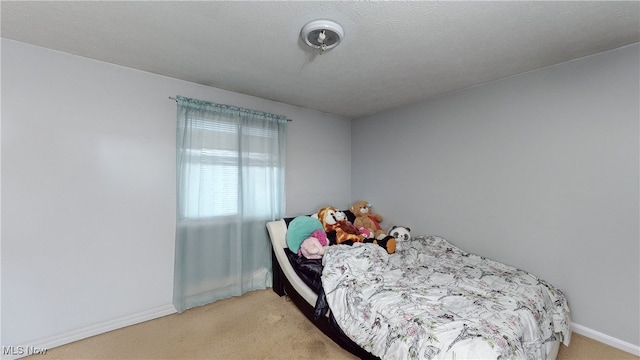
(322, 34)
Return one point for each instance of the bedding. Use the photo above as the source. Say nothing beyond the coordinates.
(309, 270)
(431, 300)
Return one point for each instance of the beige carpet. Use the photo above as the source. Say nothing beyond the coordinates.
(258, 325)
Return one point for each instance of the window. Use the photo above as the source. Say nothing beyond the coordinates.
(226, 157)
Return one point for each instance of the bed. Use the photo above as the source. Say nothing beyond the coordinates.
(428, 300)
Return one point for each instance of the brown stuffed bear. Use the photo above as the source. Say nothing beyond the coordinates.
(367, 219)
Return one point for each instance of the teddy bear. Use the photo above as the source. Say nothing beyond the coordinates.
(400, 233)
(315, 245)
(368, 219)
(335, 221)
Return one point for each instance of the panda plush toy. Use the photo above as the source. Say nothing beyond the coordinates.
(400, 233)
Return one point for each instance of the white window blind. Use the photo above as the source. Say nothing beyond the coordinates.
(215, 169)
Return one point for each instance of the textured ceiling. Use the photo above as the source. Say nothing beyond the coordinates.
(393, 53)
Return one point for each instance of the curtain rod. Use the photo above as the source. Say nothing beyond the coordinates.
(174, 99)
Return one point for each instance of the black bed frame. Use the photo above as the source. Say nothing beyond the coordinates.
(326, 324)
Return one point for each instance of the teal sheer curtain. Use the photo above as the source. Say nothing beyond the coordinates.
(230, 182)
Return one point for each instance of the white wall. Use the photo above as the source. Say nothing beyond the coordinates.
(318, 162)
(538, 170)
(88, 190)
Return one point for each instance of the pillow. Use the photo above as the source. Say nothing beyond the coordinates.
(299, 230)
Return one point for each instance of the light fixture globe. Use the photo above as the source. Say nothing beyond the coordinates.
(322, 34)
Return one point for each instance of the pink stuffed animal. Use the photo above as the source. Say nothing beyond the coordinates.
(315, 245)
(366, 232)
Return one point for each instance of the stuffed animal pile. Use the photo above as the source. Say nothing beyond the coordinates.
(334, 220)
(333, 227)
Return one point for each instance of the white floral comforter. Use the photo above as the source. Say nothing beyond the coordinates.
(431, 300)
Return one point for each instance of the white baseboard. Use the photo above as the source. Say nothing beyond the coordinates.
(606, 339)
(83, 333)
